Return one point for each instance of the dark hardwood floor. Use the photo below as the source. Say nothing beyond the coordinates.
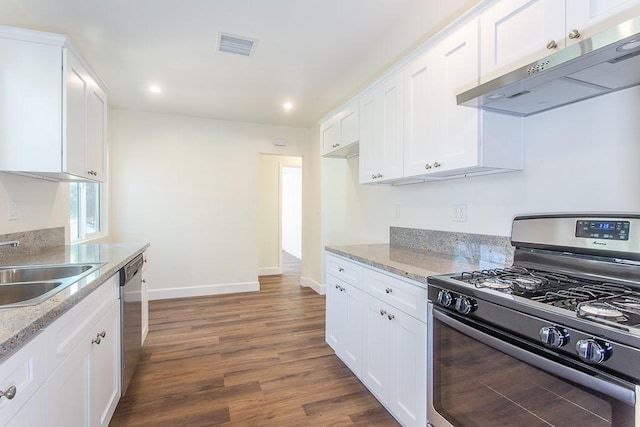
(251, 359)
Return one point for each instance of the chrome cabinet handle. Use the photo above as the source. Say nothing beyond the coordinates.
(340, 269)
(574, 34)
(373, 176)
(383, 312)
(436, 165)
(427, 166)
(94, 173)
(379, 175)
(144, 280)
(552, 45)
(9, 393)
(99, 337)
(337, 287)
(388, 290)
(335, 146)
(391, 317)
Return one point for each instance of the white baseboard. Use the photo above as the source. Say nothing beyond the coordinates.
(269, 271)
(199, 291)
(308, 282)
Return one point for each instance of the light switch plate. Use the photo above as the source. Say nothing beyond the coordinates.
(13, 211)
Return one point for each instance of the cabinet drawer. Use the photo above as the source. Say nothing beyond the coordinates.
(344, 270)
(403, 295)
(65, 334)
(26, 371)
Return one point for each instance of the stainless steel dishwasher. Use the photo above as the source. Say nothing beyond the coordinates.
(131, 318)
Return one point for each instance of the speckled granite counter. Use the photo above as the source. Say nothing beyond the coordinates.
(417, 253)
(18, 325)
(413, 263)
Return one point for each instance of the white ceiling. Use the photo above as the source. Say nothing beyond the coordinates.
(314, 53)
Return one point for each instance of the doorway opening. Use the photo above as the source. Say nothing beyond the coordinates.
(280, 210)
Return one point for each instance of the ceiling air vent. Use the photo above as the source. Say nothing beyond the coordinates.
(235, 44)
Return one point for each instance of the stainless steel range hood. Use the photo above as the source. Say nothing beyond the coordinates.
(604, 63)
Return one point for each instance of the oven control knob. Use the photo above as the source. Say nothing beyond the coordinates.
(445, 298)
(466, 305)
(554, 337)
(593, 351)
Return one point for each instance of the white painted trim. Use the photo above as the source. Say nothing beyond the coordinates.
(198, 291)
(269, 271)
(308, 282)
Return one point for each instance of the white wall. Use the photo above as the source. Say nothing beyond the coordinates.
(190, 187)
(269, 261)
(583, 157)
(43, 204)
(292, 210)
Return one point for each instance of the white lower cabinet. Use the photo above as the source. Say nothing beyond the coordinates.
(69, 374)
(344, 322)
(382, 338)
(91, 369)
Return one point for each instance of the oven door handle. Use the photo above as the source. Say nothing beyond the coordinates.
(616, 390)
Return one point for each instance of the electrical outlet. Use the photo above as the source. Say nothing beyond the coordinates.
(397, 211)
(460, 213)
(13, 211)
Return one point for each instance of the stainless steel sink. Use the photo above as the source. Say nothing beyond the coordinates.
(23, 292)
(29, 285)
(41, 273)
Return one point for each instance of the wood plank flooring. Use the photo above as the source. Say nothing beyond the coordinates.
(251, 359)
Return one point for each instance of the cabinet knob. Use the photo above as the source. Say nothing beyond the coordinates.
(427, 166)
(102, 334)
(383, 312)
(391, 317)
(552, 45)
(436, 165)
(388, 290)
(373, 176)
(337, 287)
(97, 340)
(574, 34)
(379, 175)
(94, 173)
(144, 280)
(9, 393)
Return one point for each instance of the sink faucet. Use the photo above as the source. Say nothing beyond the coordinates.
(12, 243)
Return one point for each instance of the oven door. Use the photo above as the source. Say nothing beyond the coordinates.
(478, 376)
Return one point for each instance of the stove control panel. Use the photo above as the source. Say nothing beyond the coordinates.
(554, 336)
(606, 230)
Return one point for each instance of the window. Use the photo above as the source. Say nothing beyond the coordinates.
(86, 218)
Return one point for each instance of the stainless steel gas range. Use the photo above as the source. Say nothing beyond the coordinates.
(553, 340)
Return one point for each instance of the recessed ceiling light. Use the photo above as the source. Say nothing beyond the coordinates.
(155, 89)
(287, 106)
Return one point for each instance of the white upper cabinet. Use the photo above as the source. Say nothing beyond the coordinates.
(420, 107)
(446, 140)
(518, 32)
(44, 81)
(381, 132)
(339, 135)
(589, 17)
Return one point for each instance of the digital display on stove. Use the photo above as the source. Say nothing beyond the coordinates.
(606, 230)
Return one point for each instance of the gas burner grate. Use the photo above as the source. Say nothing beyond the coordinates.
(517, 280)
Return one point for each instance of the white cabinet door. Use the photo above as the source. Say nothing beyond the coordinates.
(31, 107)
(105, 367)
(456, 127)
(348, 122)
(33, 413)
(381, 144)
(96, 132)
(517, 32)
(420, 109)
(589, 17)
(370, 160)
(344, 322)
(77, 85)
(376, 352)
(68, 392)
(330, 137)
(145, 297)
(408, 359)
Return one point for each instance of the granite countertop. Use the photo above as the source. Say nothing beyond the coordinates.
(416, 264)
(20, 324)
